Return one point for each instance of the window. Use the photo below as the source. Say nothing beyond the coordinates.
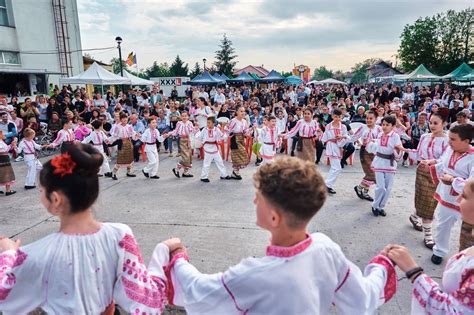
(9, 57)
(3, 13)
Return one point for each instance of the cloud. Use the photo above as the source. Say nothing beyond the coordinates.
(277, 33)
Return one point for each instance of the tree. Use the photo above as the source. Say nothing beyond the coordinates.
(359, 71)
(178, 68)
(339, 75)
(225, 56)
(286, 73)
(196, 71)
(116, 65)
(158, 70)
(322, 73)
(440, 42)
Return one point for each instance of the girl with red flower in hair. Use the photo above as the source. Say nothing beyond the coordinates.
(87, 266)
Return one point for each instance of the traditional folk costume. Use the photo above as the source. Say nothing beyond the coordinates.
(63, 139)
(123, 134)
(210, 139)
(429, 148)
(28, 148)
(447, 212)
(366, 135)
(384, 166)
(308, 133)
(184, 130)
(238, 130)
(97, 138)
(334, 149)
(7, 176)
(83, 274)
(456, 295)
(150, 138)
(466, 239)
(270, 142)
(307, 278)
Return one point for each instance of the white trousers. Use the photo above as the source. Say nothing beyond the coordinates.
(34, 166)
(153, 163)
(208, 158)
(105, 167)
(443, 222)
(334, 172)
(382, 189)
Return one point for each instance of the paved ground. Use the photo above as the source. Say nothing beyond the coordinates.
(217, 220)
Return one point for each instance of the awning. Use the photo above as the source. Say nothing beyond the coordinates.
(27, 71)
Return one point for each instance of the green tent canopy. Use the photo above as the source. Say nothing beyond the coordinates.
(419, 74)
(458, 73)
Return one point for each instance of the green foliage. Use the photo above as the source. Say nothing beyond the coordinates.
(359, 71)
(322, 73)
(440, 42)
(116, 65)
(158, 70)
(225, 56)
(178, 68)
(286, 73)
(196, 71)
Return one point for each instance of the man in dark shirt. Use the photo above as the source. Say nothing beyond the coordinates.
(80, 106)
(453, 111)
(360, 116)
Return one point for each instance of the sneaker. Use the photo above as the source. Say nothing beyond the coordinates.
(205, 180)
(436, 259)
(331, 191)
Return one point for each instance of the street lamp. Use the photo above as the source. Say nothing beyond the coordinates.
(204, 61)
(118, 39)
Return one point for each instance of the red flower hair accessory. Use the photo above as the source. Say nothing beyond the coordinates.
(63, 164)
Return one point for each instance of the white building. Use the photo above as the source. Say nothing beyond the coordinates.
(40, 41)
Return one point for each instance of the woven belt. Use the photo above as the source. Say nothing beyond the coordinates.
(150, 143)
(390, 157)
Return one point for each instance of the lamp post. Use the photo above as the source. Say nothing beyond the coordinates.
(204, 61)
(118, 39)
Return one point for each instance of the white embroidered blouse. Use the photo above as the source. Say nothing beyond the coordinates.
(83, 274)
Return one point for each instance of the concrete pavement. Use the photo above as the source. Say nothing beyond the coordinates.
(217, 220)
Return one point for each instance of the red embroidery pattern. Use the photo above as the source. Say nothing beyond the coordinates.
(431, 296)
(130, 245)
(151, 297)
(168, 274)
(7, 277)
(465, 294)
(384, 141)
(391, 286)
(279, 251)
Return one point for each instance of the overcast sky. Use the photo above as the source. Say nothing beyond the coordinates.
(273, 33)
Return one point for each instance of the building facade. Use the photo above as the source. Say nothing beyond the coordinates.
(40, 42)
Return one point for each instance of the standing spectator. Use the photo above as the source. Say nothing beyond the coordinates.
(8, 128)
(79, 106)
(454, 111)
(419, 128)
(18, 122)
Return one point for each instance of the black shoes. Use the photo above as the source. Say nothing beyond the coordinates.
(235, 176)
(146, 174)
(131, 175)
(187, 175)
(358, 191)
(292, 153)
(176, 172)
(100, 175)
(258, 161)
(436, 259)
(30, 187)
(109, 174)
(227, 177)
(205, 180)
(114, 177)
(377, 212)
(155, 177)
(331, 191)
(9, 193)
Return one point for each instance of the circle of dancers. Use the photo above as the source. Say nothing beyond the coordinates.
(100, 265)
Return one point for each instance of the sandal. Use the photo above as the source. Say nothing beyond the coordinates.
(415, 221)
(429, 243)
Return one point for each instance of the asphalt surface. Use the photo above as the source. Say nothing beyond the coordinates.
(217, 220)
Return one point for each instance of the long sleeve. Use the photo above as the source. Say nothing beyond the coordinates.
(428, 298)
(294, 131)
(59, 139)
(137, 290)
(372, 147)
(363, 293)
(88, 139)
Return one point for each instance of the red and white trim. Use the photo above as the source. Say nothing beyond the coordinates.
(284, 252)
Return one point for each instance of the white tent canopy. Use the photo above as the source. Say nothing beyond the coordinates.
(97, 75)
(331, 81)
(314, 81)
(136, 80)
